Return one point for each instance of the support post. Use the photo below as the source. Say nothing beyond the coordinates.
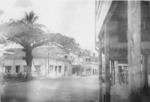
(100, 69)
(116, 72)
(112, 73)
(134, 50)
(48, 65)
(145, 72)
(1, 79)
(107, 64)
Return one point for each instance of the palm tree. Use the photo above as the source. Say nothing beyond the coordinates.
(28, 34)
(30, 20)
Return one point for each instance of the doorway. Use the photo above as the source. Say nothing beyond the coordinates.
(17, 69)
(56, 70)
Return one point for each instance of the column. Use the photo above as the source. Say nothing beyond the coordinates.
(107, 64)
(116, 72)
(134, 50)
(100, 69)
(145, 71)
(112, 73)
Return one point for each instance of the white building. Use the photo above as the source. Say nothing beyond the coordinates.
(43, 65)
(90, 67)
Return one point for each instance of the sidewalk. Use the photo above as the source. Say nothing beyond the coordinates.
(119, 93)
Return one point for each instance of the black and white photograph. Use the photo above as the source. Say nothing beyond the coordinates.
(74, 51)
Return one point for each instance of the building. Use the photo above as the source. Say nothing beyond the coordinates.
(90, 66)
(84, 64)
(47, 62)
(122, 30)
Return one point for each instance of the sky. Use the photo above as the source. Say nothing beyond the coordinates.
(73, 18)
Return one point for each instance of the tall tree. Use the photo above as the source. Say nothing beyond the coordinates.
(28, 34)
(68, 43)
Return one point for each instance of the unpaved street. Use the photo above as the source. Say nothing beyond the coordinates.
(67, 89)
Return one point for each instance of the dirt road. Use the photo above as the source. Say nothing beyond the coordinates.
(67, 89)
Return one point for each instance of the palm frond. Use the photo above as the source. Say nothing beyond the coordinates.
(35, 19)
(26, 16)
(22, 22)
(39, 25)
(31, 17)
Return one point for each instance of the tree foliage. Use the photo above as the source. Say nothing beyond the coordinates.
(25, 32)
(68, 43)
(28, 34)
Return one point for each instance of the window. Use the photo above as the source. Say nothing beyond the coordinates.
(51, 67)
(88, 60)
(25, 68)
(17, 69)
(7, 69)
(65, 68)
(55, 68)
(59, 69)
(37, 68)
(66, 57)
(120, 68)
(125, 67)
(93, 71)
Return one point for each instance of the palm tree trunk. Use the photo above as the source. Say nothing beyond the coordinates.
(28, 58)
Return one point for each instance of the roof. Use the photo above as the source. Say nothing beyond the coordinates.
(51, 50)
(118, 27)
(38, 53)
(102, 8)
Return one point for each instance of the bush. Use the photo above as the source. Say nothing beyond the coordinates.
(9, 77)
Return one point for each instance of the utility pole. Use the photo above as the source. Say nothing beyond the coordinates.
(48, 59)
(48, 63)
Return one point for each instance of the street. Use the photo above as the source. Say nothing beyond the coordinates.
(67, 89)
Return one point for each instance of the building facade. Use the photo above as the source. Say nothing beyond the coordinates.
(122, 32)
(43, 64)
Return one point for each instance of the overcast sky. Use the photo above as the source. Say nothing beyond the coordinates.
(74, 18)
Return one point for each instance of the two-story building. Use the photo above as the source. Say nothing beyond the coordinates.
(84, 64)
(90, 66)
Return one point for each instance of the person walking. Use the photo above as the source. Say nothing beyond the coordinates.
(120, 75)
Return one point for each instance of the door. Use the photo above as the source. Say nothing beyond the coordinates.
(59, 71)
(56, 70)
(7, 69)
(65, 70)
(17, 69)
